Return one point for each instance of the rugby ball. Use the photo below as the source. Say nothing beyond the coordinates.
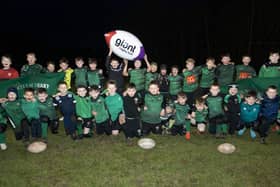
(226, 148)
(125, 45)
(37, 147)
(146, 143)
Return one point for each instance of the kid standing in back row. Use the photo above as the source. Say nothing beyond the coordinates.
(115, 71)
(137, 75)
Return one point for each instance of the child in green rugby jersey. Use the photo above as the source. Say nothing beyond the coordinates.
(137, 74)
(114, 103)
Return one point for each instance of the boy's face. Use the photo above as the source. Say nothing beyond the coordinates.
(153, 68)
(174, 71)
(182, 100)
(79, 63)
(42, 97)
(31, 59)
(6, 62)
(12, 96)
(233, 91)
(63, 66)
(82, 92)
(154, 89)
(274, 58)
(226, 60)
(92, 66)
(199, 106)
(271, 93)
(62, 88)
(94, 94)
(111, 89)
(131, 92)
(115, 64)
(246, 60)
(189, 66)
(250, 100)
(163, 71)
(29, 96)
(210, 64)
(51, 68)
(214, 90)
(137, 64)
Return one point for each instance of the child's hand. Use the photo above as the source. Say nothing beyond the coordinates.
(100, 71)
(193, 115)
(146, 57)
(110, 51)
(205, 96)
(57, 94)
(168, 109)
(145, 108)
(162, 112)
(3, 100)
(125, 93)
(94, 113)
(125, 61)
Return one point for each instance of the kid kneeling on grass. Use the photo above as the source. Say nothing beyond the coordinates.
(152, 110)
(114, 103)
(199, 115)
(99, 111)
(182, 116)
(48, 114)
(249, 113)
(30, 107)
(13, 111)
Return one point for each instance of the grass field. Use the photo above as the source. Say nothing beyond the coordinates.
(109, 161)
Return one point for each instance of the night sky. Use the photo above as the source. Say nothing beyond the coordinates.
(171, 31)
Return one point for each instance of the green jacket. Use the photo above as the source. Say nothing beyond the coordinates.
(31, 109)
(14, 111)
(201, 116)
(47, 108)
(175, 84)
(94, 77)
(114, 105)
(215, 105)
(191, 80)
(244, 72)
(31, 69)
(80, 75)
(269, 70)
(225, 74)
(137, 76)
(83, 107)
(149, 76)
(98, 106)
(154, 104)
(207, 77)
(181, 113)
